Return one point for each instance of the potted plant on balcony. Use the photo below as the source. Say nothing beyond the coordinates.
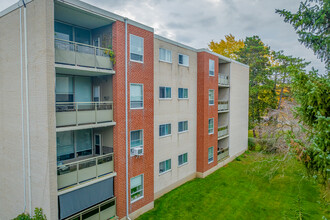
(111, 54)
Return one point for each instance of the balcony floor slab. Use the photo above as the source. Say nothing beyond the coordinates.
(82, 71)
(86, 126)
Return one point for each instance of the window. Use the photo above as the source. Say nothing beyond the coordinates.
(210, 155)
(136, 138)
(183, 60)
(211, 67)
(183, 93)
(164, 130)
(136, 96)
(211, 125)
(165, 92)
(136, 48)
(72, 144)
(164, 166)
(165, 55)
(211, 97)
(136, 188)
(183, 126)
(183, 159)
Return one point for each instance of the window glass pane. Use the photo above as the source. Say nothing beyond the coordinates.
(136, 96)
(64, 88)
(136, 48)
(180, 93)
(83, 90)
(82, 36)
(63, 31)
(211, 67)
(211, 126)
(168, 92)
(136, 138)
(64, 145)
(185, 95)
(210, 154)
(136, 181)
(84, 142)
(211, 97)
(180, 59)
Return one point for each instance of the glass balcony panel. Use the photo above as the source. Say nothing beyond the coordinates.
(81, 171)
(84, 55)
(223, 106)
(78, 113)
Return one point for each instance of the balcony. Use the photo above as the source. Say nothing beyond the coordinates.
(222, 131)
(223, 153)
(223, 80)
(223, 106)
(105, 210)
(80, 113)
(79, 172)
(75, 54)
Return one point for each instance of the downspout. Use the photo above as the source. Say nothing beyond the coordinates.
(22, 106)
(126, 123)
(27, 110)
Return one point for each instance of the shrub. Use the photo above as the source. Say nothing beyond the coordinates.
(38, 215)
(251, 143)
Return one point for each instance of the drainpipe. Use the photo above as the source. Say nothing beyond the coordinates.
(22, 106)
(27, 110)
(126, 122)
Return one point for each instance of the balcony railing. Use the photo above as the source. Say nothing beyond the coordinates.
(222, 131)
(223, 106)
(223, 80)
(78, 113)
(78, 172)
(223, 153)
(104, 210)
(84, 55)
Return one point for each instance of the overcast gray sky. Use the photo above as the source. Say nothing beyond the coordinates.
(197, 22)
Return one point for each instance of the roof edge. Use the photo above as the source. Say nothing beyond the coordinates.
(99, 11)
(222, 57)
(174, 42)
(13, 7)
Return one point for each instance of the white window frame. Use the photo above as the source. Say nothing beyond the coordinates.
(166, 87)
(183, 93)
(166, 50)
(130, 48)
(183, 59)
(141, 197)
(142, 138)
(130, 97)
(166, 135)
(185, 163)
(210, 62)
(210, 119)
(166, 171)
(208, 158)
(183, 130)
(210, 101)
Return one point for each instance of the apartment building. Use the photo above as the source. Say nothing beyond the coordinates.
(99, 116)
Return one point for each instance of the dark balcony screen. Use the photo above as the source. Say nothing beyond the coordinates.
(78, 200)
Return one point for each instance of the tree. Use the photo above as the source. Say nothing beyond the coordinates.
(227, 47)
(311, 91)
(311, 23)
(262, 95)
(281, 68)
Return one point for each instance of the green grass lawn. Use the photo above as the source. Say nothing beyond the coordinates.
(254, 186)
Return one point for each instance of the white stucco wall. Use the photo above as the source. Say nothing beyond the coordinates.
(239, 108)
(172, 111)
(40, 36)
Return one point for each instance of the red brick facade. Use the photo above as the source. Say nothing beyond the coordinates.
(137, 118)
(206, 111)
